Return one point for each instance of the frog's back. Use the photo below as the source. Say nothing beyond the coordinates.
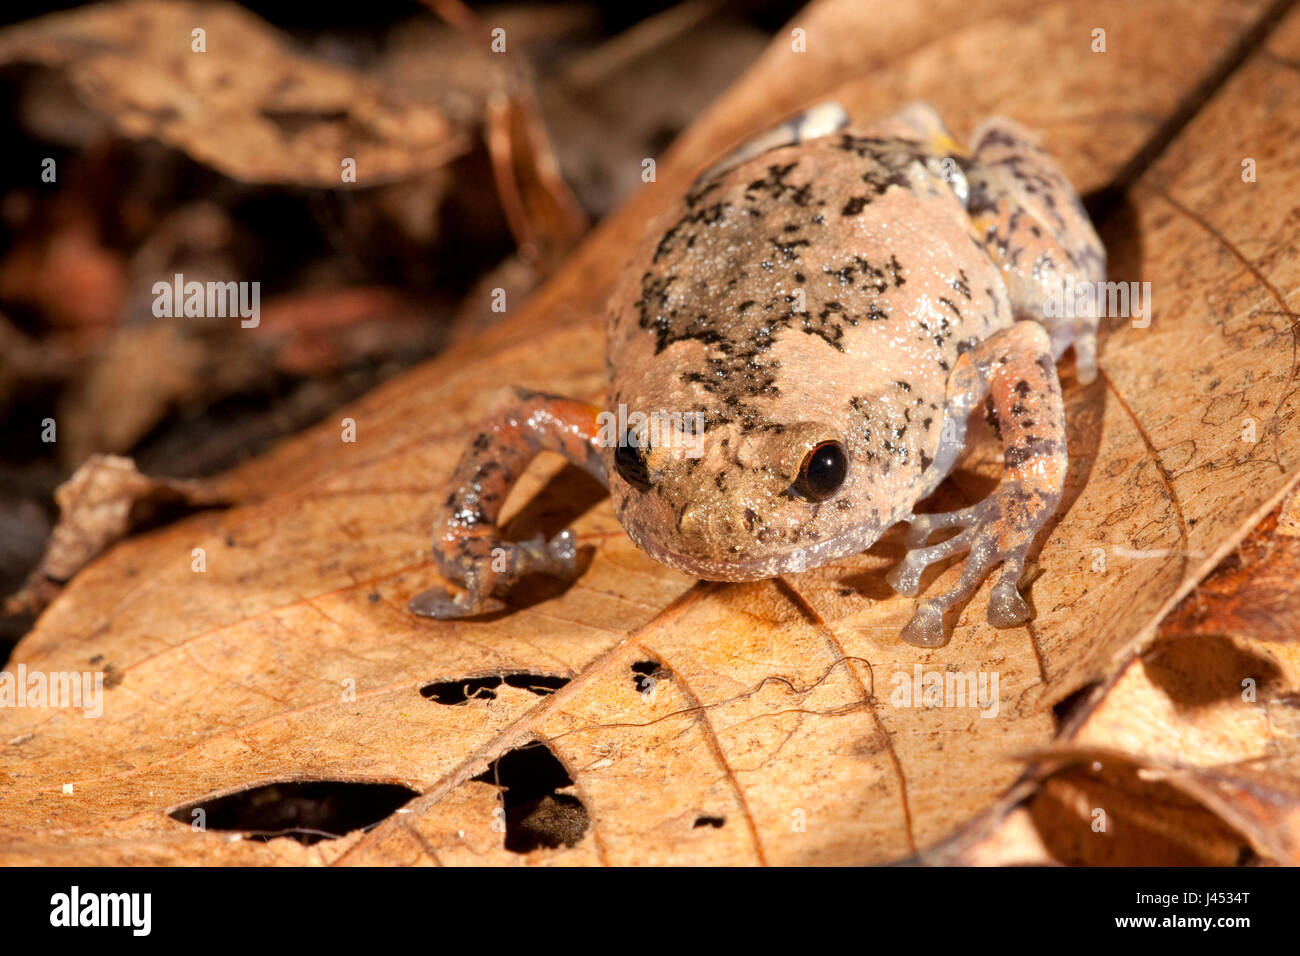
(812, 274)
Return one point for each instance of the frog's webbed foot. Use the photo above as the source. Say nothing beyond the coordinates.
(1014, 368)
(993, 532)
(467, 544)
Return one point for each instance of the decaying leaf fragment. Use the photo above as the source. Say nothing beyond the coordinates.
(217, 82)
(1191, 753)
(104, 501)
(1212, 708)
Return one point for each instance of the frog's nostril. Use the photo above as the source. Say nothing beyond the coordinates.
(719, 527)
(688, 521)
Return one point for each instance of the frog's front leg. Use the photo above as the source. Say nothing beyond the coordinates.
(467, 544)
(1014, 369)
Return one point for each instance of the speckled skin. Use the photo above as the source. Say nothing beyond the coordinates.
(872, 286)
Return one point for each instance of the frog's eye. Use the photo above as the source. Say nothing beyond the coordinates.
(629, 459)
(823, 470)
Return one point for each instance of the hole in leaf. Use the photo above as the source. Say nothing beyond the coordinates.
(715, 822)
(307, 812)
(646, 673)
(537, 815)
(1066, 706)
(453, 692)
(539, 684)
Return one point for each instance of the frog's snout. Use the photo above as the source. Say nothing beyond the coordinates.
(711, 527)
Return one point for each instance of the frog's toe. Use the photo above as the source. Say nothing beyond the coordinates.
(905, 577)
(439, 603)
(925, 629)
(1085, 356)
(1007, 609)
(920, 527)
(493, 568)
(563, 549)
(987, 524)
(1006, 606)
(557, 557)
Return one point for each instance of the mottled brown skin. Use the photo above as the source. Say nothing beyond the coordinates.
(871, 287)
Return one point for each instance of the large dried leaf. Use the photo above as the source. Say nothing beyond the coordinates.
(1189, 753)
(703, 723)
(1211, 708)
(247, 104)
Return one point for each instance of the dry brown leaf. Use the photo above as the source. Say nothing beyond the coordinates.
(249, 105)
(1201, 725)
(134, 379)
(104, 501)
(1211, 707)
(700, 723)
(1007, 837)
(543, 213)
(1101, 808)
(68, 275)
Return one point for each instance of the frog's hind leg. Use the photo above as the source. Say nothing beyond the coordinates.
(1036, 229)
(812, 123)
(467, 544)
(1015, 369)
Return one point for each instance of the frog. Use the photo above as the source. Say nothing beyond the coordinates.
(818, 322)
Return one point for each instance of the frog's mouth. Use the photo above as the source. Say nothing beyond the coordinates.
(759, 567)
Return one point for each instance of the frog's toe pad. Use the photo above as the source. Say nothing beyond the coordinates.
(556, 557)
(1006, 607)
(925, 629)
(440, 604)
(563, 552)
(904, 578)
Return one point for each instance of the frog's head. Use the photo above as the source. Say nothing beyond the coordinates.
(734, 503)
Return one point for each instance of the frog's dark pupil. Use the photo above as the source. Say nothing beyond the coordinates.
(823, 471)
(629, 459)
